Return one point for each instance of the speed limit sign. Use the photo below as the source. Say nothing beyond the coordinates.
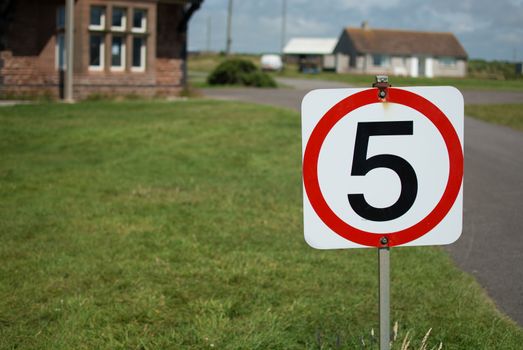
(382, 172)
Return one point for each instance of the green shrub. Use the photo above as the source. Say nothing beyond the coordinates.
(496, 70)
(259, 79)
(231, 72)
(239, 72)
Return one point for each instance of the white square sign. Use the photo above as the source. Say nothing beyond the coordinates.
(382, 172)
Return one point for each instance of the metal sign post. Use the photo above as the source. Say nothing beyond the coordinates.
(384, 296)
(69, 51)
(415, 132)
(382, 83)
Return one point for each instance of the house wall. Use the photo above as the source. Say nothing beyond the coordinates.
(170, 43)
(346, 53)
(397, 65)
(360, 64)
(368, 67)
(29, 67)
(409, 66)
(342, 63)
(400, 66)
(457, 70)
(413, 66)
(88, 82)
(329, 62)
(349, 60)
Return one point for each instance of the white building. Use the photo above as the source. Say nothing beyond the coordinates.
(312, 54)
(400, 52)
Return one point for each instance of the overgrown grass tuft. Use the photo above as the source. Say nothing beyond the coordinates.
(156, 225)
(465, 83)
(510, 115)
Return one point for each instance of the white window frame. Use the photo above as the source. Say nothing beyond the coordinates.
(57, 52)
(101, 26)
(143, 56)
(121, 67)
(99, 68)
(143, 27)
(124, 19)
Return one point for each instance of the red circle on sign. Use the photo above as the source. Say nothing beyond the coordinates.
(342, 109)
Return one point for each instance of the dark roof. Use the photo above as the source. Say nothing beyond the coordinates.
(403, 42)
(181, 2)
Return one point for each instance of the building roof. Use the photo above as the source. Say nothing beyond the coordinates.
(403, 42)
(310, 46)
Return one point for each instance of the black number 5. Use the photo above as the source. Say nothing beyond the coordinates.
(361, 166)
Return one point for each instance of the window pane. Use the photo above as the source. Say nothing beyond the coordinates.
(118, 16)
(138, 43)
(60, 45)
(60, 17)
(95, 50)
(448, 61)
(376, 60)
(380, 60)
(97, 13)
(139, 19)
(116, 51)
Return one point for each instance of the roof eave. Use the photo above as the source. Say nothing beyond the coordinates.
(409, 54)
(180, 2)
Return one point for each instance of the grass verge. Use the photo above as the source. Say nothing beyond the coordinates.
(365, 80)
(154, 225)
(510, 115)
(207, 62)
(204, 63)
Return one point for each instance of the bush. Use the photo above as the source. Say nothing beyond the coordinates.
(239, 72)
(497, 70)
(259, 79)
(231, 72)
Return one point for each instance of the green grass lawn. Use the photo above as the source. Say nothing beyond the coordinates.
(155, 225)
(504, 114)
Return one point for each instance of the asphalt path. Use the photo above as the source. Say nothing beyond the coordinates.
(491, 246)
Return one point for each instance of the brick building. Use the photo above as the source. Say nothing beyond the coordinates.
(120, 46)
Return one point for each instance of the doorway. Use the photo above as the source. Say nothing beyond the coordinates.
(421, 66)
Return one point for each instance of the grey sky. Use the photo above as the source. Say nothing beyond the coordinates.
(490, 29)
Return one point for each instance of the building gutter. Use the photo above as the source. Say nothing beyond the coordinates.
(189, 9)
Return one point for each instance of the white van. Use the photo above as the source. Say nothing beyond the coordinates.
(271, 62)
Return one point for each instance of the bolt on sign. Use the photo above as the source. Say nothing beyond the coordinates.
(382, 168)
